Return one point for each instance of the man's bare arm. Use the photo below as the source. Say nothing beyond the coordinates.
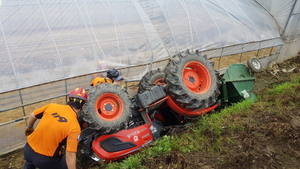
(31, 120)
(71, 159)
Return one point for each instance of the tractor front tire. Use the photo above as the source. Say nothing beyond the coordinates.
(109, 108)
(150, 79)
(191, 80)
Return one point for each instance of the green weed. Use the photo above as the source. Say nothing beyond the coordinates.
(132, 162)
(235, 127)
(163, 145)
(285, 88)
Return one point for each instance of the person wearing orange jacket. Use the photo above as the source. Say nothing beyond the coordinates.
(58, 129)
(113, 76)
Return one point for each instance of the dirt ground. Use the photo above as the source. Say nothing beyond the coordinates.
(271, 144)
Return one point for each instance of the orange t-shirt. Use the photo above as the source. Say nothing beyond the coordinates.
(58, 126)
(100, 80)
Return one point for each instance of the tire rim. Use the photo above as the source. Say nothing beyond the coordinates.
(158, 81)
(256, 64)
(109, 106)
(196, 77)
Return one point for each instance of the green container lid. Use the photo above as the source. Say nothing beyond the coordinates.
(238, 83)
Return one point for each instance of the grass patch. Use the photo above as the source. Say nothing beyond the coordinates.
(289, 91)
(282, 88)
(285, 88)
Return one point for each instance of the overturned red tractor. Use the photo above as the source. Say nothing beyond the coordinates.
(116, 125)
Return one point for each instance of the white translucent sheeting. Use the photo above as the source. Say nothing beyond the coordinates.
(287, 15)
(288, 50)
(46, 41)
(292, 32)
(297, 8)
(279, 9)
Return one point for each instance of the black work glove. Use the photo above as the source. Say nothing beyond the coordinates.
(28, 131)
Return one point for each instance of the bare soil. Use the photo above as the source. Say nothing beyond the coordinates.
(271, 139)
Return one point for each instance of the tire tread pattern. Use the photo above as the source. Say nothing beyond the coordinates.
(178, 90)
(149, 78)
(90, 115)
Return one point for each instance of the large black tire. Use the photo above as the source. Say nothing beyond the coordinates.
(151, 79)
(109, 108)
(191, 80)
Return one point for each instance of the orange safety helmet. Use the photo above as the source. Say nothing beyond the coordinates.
(78, 93)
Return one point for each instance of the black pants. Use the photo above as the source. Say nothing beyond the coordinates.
(35, 160)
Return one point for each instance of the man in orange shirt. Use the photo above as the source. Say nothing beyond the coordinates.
(113, 76)
(58, 128)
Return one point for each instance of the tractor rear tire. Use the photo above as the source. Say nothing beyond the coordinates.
(151, 79)
(109, 108)
(191, 80)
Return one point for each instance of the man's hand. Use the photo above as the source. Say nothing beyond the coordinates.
(28, 131)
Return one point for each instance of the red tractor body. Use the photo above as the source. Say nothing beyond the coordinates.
(118, 125)
(123, 143)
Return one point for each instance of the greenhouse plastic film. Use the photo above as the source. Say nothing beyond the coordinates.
(279, 9)
(49, 47)
(44, 41)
